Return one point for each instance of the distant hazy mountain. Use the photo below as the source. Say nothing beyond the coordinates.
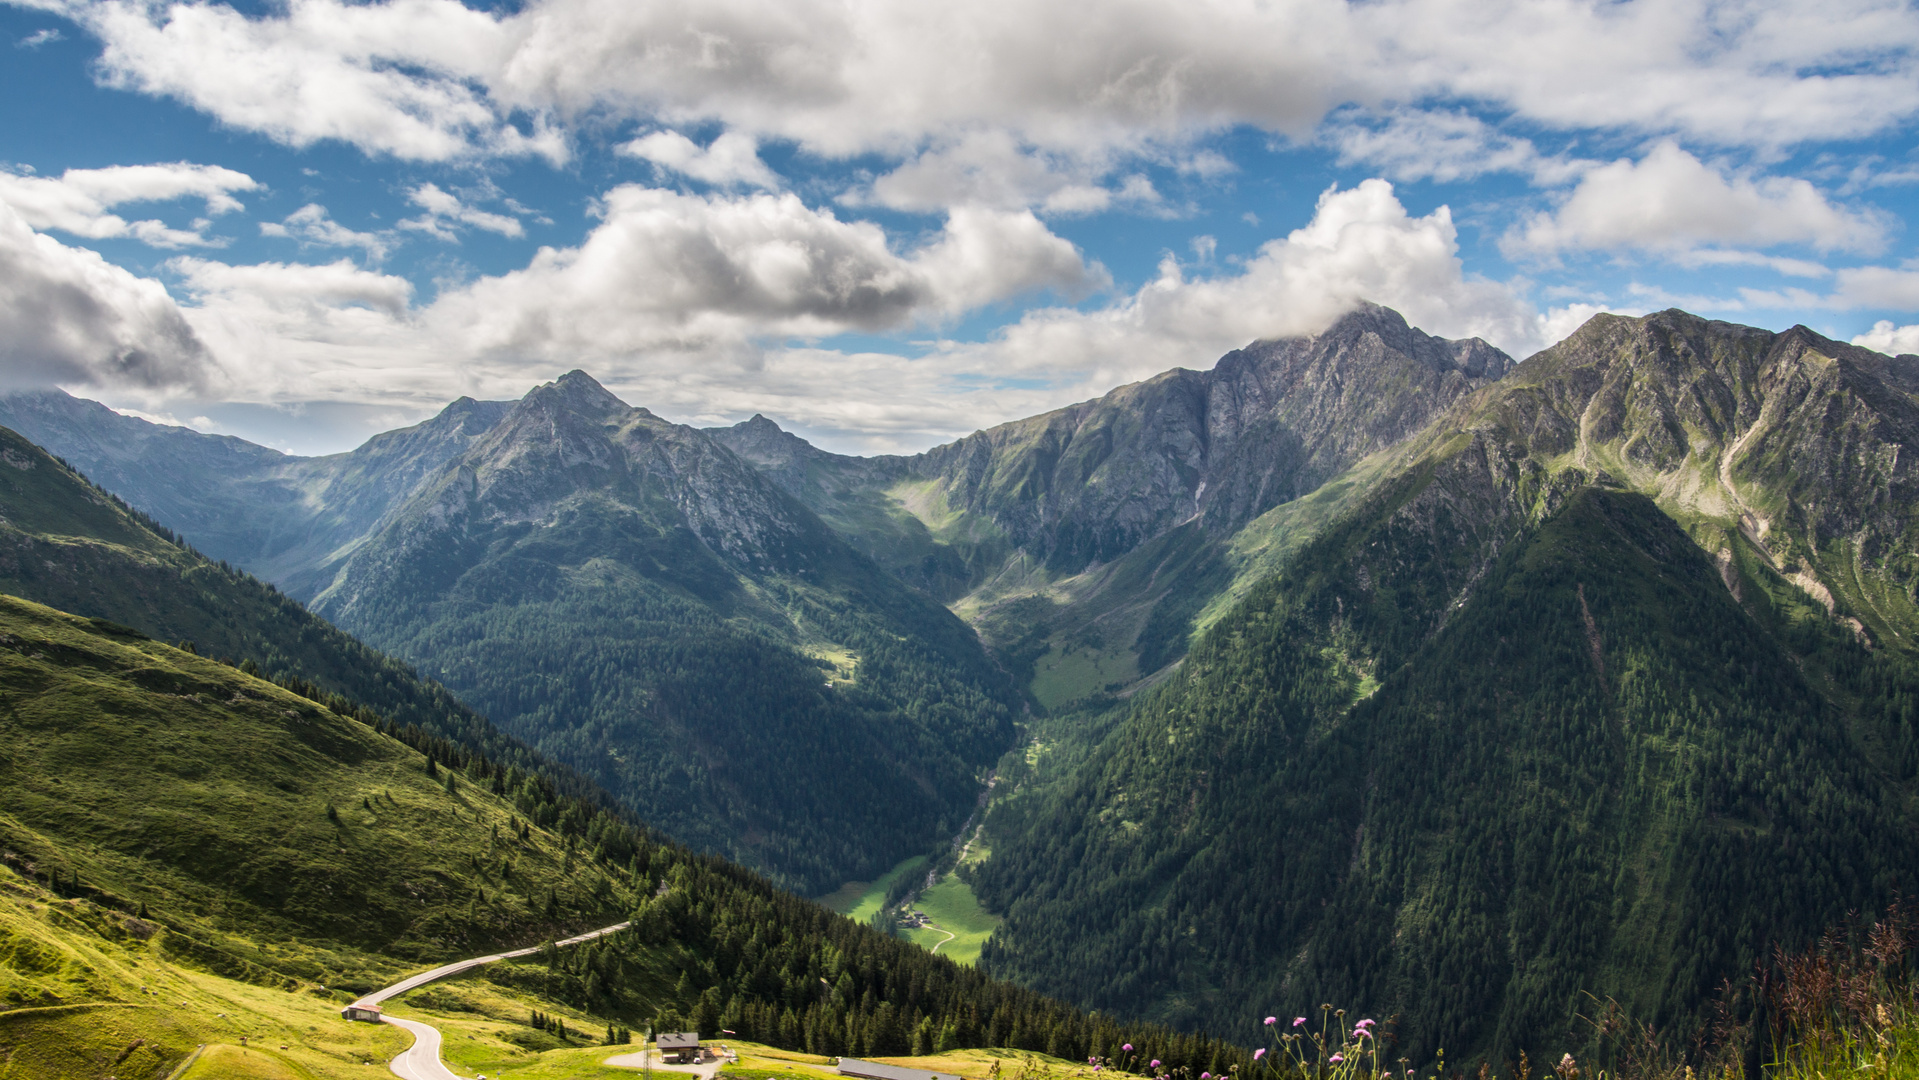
(1603, 683)
(279, 516)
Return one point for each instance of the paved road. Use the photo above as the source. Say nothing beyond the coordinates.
(421, 1061)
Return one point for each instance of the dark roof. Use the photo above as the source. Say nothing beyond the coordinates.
(873, 1070)
(678, 1040)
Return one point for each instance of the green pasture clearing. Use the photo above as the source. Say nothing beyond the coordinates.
(859, 900)
(953, 907)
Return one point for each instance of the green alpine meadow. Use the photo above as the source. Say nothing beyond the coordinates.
(1370, 703)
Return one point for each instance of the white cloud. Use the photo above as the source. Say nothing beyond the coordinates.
(433, 79)
(1884, 287)
(675, 271)
(1360, 245)
(77, 201)
(1889, 339)
(311, 225)
(992, 168)
(67, 316)
(1443, 145)
(732, 160)
(39, 38)
(444, 210)
(1670, 201)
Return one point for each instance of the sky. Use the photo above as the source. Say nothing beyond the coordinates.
(887, 223)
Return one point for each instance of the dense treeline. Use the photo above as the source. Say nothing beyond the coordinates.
(766, 964)
(1603, 776)
(783, 971)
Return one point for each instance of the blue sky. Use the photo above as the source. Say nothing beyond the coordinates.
(885, 224)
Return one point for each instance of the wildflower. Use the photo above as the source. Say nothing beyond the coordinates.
(1259, 1053)
(1364, 1023)
(1126, 1046)
(1298, 1020)
(1155, 1064)
(1337, 1058)
(1271, 1020)
(1362, 1033)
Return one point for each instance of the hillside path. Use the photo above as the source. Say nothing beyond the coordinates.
(421, 1061)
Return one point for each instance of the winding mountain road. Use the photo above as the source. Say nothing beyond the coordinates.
(421, 1061)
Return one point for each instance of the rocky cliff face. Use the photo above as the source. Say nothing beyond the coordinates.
(1268, 423)
(1083, 542)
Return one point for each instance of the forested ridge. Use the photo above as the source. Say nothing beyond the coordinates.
(637, 602)
(1603, 776)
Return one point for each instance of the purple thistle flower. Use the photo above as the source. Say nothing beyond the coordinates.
(1271, 1020)
(1259, 1053)
(1126, 1046)
(1155, 1064)
(1337, 1058)
(1298, 1020)
(1364, 1023)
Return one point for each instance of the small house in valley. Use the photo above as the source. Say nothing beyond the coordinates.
(357, 1011)
(874, 1070)
(679, 1047)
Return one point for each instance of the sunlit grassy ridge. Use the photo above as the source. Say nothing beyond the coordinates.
(234, 806)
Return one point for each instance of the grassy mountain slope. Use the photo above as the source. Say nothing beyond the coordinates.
(634, 600)
(189, 854)
(1526, 710)
(232, 804)
(67, 544)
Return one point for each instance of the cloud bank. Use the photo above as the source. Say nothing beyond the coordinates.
(432, 80)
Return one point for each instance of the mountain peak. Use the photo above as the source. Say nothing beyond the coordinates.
(764, 443)
(576, 391)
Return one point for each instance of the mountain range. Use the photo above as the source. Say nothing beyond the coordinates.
(1365, 666)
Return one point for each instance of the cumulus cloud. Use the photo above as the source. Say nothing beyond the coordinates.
(669, 270)
(394, 78)
(433, 79)
(69, 317)
(992, 168)
(732, 160)
(310, 224)
(1360, 245)
(78, 200)
(1443, 145)
(444, 211)
(1889, 339)
(1670, 201)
